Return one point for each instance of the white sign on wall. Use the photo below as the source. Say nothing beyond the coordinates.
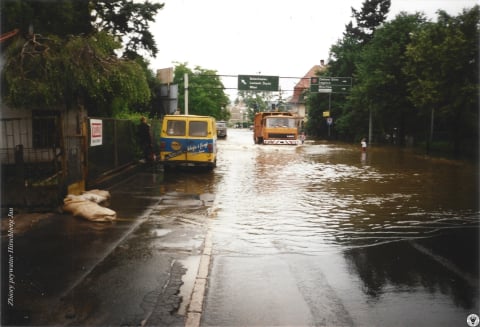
(96, 129)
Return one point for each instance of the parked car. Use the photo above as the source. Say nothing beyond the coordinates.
(221, 129)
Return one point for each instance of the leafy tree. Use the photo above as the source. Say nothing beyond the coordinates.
(443, 66)
(372, 15)
(62, 73)
(344, 56)
(60, 18)
(128, 20)
(206, 94)
(382, 85)
(66, 54)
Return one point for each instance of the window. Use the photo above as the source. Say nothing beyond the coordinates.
(45, 126)
(176, 128)
(198, 128)
(280, 122)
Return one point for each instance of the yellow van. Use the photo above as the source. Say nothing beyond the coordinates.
(188, 140)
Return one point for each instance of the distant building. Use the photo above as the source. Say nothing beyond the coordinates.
(238, 113)
(297, 101)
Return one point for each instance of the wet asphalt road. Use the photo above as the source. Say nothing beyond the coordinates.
(315, 235)
(324, 235)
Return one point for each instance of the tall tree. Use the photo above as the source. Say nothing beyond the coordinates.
(206, 95)
(60, 73)
(344, 56)
(66, 53)
(129, 20)
(444, 69)
(60, 18)
(381, 84)
(368, 19)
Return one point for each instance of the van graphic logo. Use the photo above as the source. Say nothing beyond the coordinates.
(173, 154)
(176, 146)
(199, 147)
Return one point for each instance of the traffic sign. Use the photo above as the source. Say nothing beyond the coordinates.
(257, 83)
(330, 84)
(341, 88)
(341, 80)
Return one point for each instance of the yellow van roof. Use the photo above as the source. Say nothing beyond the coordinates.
(187, 116)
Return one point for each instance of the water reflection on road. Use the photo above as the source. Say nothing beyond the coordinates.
(406, 225)
(319, 196)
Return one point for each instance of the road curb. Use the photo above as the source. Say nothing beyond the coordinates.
(194, 311)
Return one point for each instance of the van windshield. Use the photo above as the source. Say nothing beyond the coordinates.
(197, 128)
(176, 128)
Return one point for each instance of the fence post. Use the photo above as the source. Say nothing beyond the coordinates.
(115, 144)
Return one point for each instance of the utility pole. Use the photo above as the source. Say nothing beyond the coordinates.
(370, 125)
(185, 78)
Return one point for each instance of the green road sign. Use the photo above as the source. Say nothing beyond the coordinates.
(341, 88)
(257, 83)
(320, 85)
(330, 84)
(341, 80)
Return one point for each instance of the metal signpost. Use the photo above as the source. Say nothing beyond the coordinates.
(330, 85)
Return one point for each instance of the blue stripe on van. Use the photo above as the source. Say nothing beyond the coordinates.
(188, 145)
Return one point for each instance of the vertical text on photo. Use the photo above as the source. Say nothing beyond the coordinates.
(10, 251)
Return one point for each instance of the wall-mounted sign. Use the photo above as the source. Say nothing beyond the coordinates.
(96, 131)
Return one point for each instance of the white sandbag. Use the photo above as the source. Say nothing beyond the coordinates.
(81, 207)
(97, 196)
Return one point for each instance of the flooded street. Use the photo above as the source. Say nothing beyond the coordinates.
(322, 234)
(312, 235)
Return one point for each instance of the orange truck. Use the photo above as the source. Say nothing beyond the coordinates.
(275, 128)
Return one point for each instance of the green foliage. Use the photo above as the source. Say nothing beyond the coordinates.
(403, 70)
(443, 69)
(66, 54)
(130, 21)
(55, 72)
(382, 85)
(372, 15)
(206, 94)
(60, 17)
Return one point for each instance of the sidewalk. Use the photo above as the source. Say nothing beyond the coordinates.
(57, 258)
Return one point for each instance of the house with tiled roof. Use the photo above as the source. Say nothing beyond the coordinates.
(297, 101)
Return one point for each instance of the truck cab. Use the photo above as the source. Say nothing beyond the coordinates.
(275, 128)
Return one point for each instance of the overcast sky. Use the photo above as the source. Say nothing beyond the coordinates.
(270, 37)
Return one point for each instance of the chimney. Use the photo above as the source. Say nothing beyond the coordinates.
(322, 62)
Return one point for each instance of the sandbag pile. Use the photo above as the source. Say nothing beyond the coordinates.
(87, 205)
